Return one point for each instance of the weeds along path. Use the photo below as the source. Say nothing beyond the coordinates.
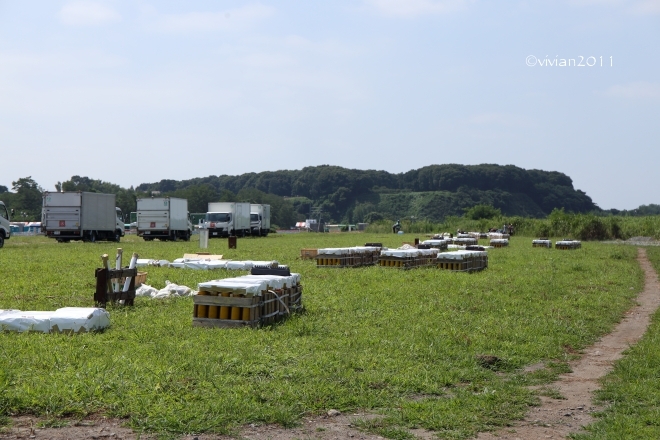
(558, 418)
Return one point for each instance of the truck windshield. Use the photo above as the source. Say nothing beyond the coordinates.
(254, 217)
(218, 217)
(3, 212)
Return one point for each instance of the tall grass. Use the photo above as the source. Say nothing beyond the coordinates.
(400, 343)
(557, 224)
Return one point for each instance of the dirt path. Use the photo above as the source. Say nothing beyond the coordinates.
(554, 419)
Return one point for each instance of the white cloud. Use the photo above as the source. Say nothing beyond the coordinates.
(647, 7)
(85, 13)
(635, 90)
(231, 19)
(643, 7)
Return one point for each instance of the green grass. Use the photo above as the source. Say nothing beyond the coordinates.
(399, 343)
(632, 389)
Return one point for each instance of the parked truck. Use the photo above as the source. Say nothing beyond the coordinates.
(227, 218)
(5, 230)
(85, 216)
(165, 218)
(259, 220)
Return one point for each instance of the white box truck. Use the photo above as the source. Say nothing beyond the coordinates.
(165, 218)
(82, 216)
(5, 230)
(228, 218)
(259, 220)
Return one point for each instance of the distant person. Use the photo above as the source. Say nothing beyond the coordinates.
(396, 227)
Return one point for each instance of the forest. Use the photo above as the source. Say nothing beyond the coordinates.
(342, 195)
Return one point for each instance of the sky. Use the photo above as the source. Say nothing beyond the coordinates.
(133, 92)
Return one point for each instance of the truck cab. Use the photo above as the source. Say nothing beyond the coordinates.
(255, 223)
(119, 230)
(219, 224)
(5, 230)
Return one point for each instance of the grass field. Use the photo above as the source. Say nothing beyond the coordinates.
(632, 390)
(399, 343)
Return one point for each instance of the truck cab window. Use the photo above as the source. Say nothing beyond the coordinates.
(3, 213)
(218, 217)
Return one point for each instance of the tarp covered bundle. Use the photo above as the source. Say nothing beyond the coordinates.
(499, 242)
(347, 257)
(568, 244)
(407, 258)
(437, 244)
(542, 243)
(250, 300)
(64, 320)
(463, 261)
(202, 263)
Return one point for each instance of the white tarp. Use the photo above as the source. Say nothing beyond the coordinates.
(408, 253)
(461, 255)
(435, 242)
(348, 250)
(254, 287)
(568, 243)
(74, 319)
(79, 319)
(210, 264)
(170, 290)
(142, 262)
(274, 281)
(499, 241)
(497, 235)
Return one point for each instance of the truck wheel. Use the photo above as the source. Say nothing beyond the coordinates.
(2, 241)
(117, 237)
(187, 236)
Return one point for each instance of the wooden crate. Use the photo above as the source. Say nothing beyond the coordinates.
(308, 254)
(295, 298)
(234, 309)
(242, 310)
(406, 263)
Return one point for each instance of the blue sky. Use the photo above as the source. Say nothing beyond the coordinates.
(136, 91)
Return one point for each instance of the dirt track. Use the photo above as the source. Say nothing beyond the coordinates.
(554, 419)
(557, 418)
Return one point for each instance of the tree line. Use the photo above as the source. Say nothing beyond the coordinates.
(342, 195)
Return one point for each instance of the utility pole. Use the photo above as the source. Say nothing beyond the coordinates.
(316, 213)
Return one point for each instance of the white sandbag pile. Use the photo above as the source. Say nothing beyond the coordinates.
(64, 320)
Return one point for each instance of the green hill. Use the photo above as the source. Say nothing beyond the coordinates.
(432, 192)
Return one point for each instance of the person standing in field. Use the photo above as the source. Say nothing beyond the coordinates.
(396, 227)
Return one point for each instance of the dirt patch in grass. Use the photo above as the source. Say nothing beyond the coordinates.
(558, 417)
(326, 427)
